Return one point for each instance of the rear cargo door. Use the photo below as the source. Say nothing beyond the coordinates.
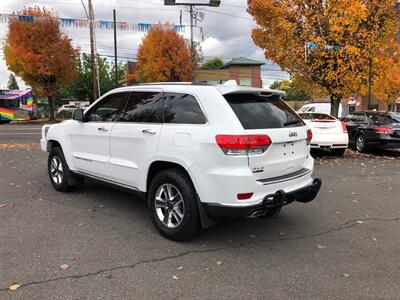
(267, 114)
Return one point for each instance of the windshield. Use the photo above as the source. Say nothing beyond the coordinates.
(304, 108)
(256, 111)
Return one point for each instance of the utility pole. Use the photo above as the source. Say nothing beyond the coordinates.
(191, 4)
(370, 84)
(192, 54)
(92, 54)
(115, 50)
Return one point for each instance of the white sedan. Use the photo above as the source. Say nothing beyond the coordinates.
(329, 133)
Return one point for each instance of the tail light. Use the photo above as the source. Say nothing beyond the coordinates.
(344, 127)
(244, 196)
(309, 136)
(383, 130)
(243, 144)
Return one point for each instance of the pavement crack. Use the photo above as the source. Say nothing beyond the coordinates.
(346, 225)
(35, 195)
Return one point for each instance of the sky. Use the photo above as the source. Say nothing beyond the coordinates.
(227, 29)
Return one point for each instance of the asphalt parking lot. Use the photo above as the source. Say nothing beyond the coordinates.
(99, 243)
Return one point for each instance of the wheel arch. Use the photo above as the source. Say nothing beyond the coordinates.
(159, 165)
(53, 143)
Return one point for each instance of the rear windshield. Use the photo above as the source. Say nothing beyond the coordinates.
(395, 117)
(260, 112)
(384, 118)
(315, 116)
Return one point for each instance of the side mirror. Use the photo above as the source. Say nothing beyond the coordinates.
(78, 115)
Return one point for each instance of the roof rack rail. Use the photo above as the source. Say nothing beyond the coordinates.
(174, 83)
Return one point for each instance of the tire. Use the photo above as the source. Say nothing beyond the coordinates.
(361, 143)
(338, 152)
(58, 170)
(177, 219)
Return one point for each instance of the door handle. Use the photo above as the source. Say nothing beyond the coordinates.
(103, 129)
(148, 131)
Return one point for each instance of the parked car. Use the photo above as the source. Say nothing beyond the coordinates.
(196, 152)
(371, 129)
(328, 132)
(85, 106)
(319, 107)
(66, 107)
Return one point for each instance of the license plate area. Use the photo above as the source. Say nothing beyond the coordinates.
(292, 148)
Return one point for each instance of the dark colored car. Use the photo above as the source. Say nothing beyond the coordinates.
(373, 129)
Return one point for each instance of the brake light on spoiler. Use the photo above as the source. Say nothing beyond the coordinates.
(243, 144)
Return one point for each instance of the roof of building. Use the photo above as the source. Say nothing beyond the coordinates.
(242, 61)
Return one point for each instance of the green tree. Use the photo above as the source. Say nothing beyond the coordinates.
(212, 64)
(12, 83)
(121, 73)
(293, 92)
(82, 88)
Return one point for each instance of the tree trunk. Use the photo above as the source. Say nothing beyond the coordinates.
(51, 108)
(335, 102)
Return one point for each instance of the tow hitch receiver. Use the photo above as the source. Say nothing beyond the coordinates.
(303, 195)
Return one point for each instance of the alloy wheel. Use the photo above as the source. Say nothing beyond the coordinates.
(56, 170)
(360, 143)
(169, 204)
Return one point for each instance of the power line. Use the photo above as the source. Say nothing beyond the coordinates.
(227, 14)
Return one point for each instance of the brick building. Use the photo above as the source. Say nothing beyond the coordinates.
(245, 71)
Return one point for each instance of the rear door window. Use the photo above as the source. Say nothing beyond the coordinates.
(143, 107)
(182, 109)
(256, 111)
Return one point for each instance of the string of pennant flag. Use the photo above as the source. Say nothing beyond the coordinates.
(81, 23)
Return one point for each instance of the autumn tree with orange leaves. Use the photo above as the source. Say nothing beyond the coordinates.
(386, 83)
(40, 53)
(344, 35)
(163, 56)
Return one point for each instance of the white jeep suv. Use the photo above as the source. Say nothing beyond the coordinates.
(197, 152)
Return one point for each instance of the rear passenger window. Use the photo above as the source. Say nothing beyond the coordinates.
(144, 107)
(260, 112)
(182, 109)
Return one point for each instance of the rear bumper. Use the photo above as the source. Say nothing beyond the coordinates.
(277, 199)
(330, 141)
(390, 143)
